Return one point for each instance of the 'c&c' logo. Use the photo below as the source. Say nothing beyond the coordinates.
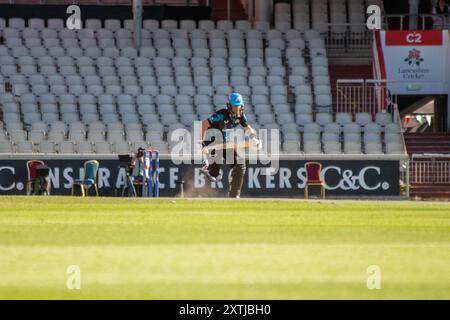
(7, 175)
(2, 172)
(350, 182)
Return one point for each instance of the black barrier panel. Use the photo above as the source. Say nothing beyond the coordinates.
(342, 177)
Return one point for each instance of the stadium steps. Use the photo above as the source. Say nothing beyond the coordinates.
(430, 191)
(427, 142)
(347, 72)
(219, 10)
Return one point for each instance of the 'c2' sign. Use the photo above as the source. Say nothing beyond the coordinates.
(416, 38)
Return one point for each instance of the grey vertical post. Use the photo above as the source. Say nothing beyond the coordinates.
(407, 177)
(263, 10)
(137, 19)
(251, 10)
(413, 11)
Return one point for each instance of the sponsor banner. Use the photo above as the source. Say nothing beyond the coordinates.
(417, 61)
(342, 177)
(416, 38)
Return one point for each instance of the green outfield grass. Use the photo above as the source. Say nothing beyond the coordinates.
(221, 249)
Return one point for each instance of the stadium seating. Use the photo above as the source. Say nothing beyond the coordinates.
(92, 91)
(323, 13)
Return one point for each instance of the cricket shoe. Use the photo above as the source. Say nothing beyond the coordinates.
(204, 170)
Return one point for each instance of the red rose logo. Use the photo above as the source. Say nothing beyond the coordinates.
(414, 57)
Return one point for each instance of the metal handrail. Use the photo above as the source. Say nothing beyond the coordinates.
(346, 99)
(430, 171)
(348, 39)
(429, 155)
(423, 16)
(386, 17)
(364, 85)
(347, 24)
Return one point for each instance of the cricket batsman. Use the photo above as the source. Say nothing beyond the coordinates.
(225, 120)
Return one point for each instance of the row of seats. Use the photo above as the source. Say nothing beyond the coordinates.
(116, 134)
(329, 143)
(17, 133)
(177, 44)
(257, 75)
(282, 121)
(323, 121)
(147, 102)
(99, 132)
(141, 104)
(37, 136)
(106, 3)
(235, 66)
(320, 14)
(203, 84)
(124, 147)
(347, 147)
(344, 118)
(148, 24)
(85, 34)
(152, 85)
(145, 54)
(78, 147)
(31, 100)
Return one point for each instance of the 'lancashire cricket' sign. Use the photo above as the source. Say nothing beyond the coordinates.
(417, 61)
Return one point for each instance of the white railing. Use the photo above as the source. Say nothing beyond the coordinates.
(423, 21)
(354, 37)
(432, 171)
(359, 95)
(349, 95)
